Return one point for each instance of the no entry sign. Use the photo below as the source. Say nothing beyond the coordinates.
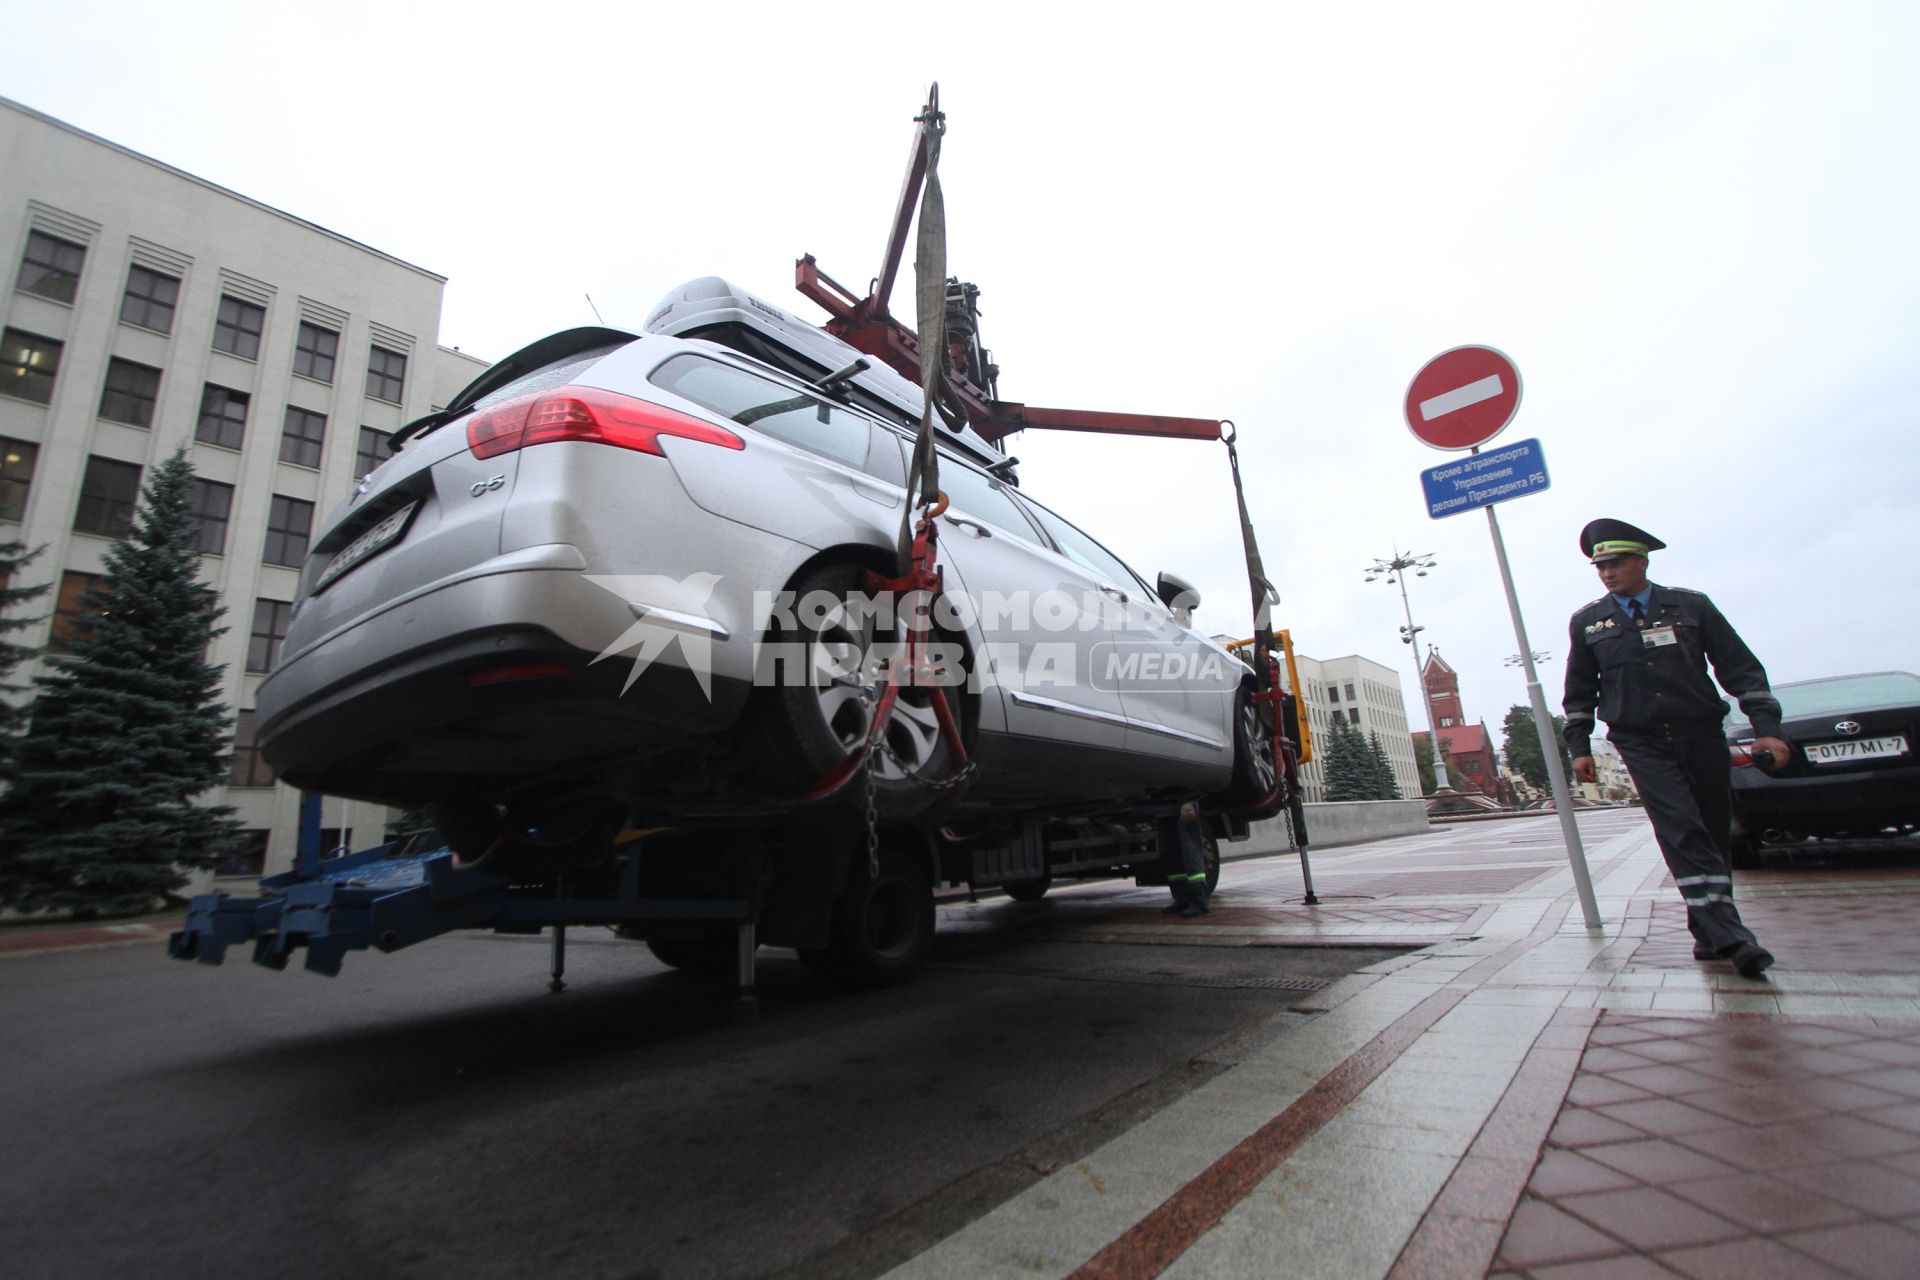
(1463, 398)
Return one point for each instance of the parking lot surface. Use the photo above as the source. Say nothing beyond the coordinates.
(1436, 1070)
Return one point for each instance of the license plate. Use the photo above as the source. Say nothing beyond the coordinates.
(373, 541)
(1855, 749)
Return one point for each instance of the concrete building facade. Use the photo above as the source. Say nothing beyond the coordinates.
(1367, 695)
(146, 309)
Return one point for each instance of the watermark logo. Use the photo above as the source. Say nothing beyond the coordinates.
(1054, 639)
(673, 611)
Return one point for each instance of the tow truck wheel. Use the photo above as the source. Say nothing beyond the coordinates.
(1254, 765)
(716, 951)
(812, 719)
(882, 927)
(1213, 865)
(1028, 890)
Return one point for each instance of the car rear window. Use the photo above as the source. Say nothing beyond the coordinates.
(1844, 693)
(547, 377)
(782, 412)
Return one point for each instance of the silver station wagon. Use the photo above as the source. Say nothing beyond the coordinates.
(621, 577)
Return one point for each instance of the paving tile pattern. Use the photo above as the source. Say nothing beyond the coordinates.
(1852, 924)
(1728, 1146)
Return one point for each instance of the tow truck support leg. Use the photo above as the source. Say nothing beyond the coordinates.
(746, 1003)
(557, 966)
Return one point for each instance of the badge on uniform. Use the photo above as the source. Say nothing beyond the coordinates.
(1654, 637)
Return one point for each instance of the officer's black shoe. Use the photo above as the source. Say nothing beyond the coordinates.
(1751, 959)
(1193, 909)
(1701, 951)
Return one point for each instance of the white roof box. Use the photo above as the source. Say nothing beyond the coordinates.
(713, 309)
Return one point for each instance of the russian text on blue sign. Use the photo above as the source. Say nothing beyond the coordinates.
(1482, 479)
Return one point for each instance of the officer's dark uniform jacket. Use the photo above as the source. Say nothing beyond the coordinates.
(1641, 687)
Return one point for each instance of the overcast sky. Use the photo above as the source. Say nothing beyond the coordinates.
(1692, 226)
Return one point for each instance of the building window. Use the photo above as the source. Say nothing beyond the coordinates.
(375, 448)
(130, 392)
(1333, 693)
(386, 374)
(250, 768)
(211, 502)
(1353, 714)
(270, 619)
(237, 330)
(150, 299)
(51, 267)
(314, 352)
(301, 438)
(72, 619)
(289, 524)
(108, 493)
(248, 857)
(223, 417)
(28, 363)
(1350, 697)
(16, 477)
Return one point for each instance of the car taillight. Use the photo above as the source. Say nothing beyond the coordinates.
(1742, 752)
(590, 416)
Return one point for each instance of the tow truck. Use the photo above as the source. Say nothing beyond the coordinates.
(704, 902)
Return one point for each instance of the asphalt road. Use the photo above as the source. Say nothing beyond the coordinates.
(438, 1113)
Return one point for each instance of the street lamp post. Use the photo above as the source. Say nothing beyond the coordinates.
(1395, 572)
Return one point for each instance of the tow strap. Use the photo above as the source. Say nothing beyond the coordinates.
(917, 581)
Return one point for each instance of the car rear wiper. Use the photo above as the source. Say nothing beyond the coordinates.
(420, 426)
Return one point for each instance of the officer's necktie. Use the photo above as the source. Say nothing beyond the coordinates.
(1638, 614)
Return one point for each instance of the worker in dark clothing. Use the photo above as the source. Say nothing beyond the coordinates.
(1183, 856)
(1639, 658)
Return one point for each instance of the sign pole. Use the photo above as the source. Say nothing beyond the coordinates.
(1549, 742)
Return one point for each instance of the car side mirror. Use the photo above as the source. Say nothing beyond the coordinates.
(1178, 595)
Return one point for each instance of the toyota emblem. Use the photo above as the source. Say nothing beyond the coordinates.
(1847, 726)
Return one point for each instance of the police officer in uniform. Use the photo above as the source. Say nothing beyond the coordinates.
(1183, 857)
(1639, 657)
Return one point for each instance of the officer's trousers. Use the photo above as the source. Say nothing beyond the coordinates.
(1684, 776)
(1183, 856)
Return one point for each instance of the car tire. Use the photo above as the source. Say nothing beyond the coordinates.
(882, 926)
(716, 953)
(808, 726)
(1028, 890)
(1255, 764)
(1213, 865)
(491, 836)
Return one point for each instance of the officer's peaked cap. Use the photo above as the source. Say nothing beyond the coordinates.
(1604, 539)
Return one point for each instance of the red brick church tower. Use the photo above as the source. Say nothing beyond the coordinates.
(1469, 748)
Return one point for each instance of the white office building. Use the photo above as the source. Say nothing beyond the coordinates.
(148, 309)
(1367, 695)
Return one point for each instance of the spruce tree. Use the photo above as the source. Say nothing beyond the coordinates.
(1385, 785)
(127, 729)
(14, 557)
(1348, 766)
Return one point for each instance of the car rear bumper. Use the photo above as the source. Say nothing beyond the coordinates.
(466, 681)
(1847, 804)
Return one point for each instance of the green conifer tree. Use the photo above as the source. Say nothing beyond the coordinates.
(1349, 768)
(14, 557)
(127, 729)
(1385, 785)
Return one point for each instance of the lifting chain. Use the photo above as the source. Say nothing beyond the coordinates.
(873, 826)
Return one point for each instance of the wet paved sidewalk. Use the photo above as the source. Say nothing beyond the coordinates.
(1521, 1097)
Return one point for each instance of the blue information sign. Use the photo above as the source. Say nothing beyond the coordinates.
(1482, 479)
